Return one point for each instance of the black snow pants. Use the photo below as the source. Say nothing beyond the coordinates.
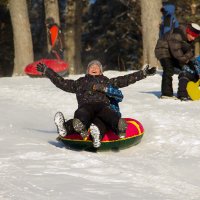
(169, 65)
(100, 114)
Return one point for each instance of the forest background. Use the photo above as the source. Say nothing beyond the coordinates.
(120, 33)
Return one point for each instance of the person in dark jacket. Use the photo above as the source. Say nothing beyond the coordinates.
(97, 129)
(92, 99)
(56, 39)
(174, 50)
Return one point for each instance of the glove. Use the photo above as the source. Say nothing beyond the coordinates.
(41, 67)
(99, 87)
(149, 71)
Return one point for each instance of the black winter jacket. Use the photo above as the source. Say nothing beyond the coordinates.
(82, 87)
(174, 44)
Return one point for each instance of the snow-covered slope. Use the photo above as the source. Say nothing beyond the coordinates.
(33, 165)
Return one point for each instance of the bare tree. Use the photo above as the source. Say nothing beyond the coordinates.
(72, 35)
(22, 35)
(194, 6)
(151, 16)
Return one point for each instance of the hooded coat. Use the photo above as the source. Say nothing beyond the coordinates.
(175, 45)
(169, 20)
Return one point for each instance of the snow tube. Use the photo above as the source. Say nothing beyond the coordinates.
(57, 65)
(110, 140)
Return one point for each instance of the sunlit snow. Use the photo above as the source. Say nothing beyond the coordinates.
(34, 166)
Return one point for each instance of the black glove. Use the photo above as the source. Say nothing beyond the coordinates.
(41, 67)
(99, 87)
(149, 71)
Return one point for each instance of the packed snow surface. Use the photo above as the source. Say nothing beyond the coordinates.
(34, 166)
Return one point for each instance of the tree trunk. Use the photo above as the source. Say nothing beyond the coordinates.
(22, 35)
(194, 6)
(73, 36)
(151, 17)
(197, 48)
(52, 10)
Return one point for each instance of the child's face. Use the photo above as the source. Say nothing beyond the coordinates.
(94, 70)
(190, 37)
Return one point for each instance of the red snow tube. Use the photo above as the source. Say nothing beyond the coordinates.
(110, 140)
(57, 65)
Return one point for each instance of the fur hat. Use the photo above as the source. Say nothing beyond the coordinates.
(95, 62)
(193, 29)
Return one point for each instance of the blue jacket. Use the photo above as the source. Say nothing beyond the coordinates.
(196, 62)
(194, 67)
(115, 95)
(169, 20)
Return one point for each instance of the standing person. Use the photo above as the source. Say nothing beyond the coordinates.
(168, 20)
(56, 39)
(174, 50)
(92, 99)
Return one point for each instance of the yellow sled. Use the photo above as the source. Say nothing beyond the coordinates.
(193, 90)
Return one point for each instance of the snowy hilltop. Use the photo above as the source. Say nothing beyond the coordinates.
(34, 166)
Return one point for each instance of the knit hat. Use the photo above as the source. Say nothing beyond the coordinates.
(193, 29)
(95, 62)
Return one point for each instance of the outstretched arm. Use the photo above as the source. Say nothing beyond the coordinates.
(123, 81)
(64, 84)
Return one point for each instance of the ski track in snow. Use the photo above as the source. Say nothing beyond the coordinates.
(33, 165)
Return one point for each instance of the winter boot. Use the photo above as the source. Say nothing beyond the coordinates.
(95, 133)
(60, 124)
(168, 97)
(122, 126)
(184, 98)
(80, 128)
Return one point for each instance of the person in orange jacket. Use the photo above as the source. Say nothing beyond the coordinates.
(56, 39)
